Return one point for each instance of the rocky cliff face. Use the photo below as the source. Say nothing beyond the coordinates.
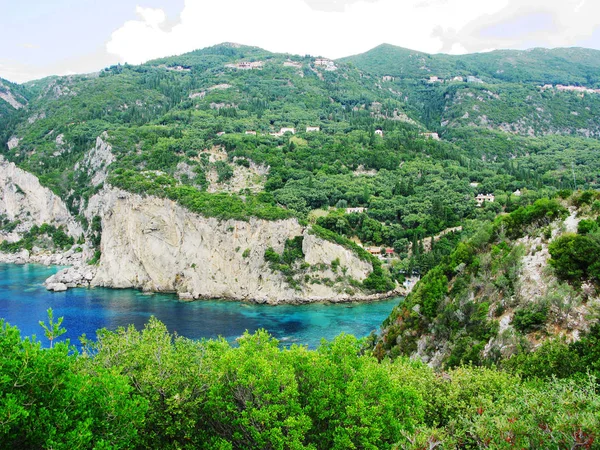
(23, 198)
(96, 161)
(156, 245)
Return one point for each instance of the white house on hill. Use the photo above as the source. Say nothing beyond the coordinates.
(481, 198)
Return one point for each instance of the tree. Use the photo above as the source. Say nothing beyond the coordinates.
(52, 330)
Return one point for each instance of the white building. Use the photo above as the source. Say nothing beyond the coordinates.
(481, 198)
(309, 129)
(379, 132)
(472, 79)
(358, 210)
(433, 136)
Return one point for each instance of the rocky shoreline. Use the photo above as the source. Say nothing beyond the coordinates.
(400, 291)
(77, 274)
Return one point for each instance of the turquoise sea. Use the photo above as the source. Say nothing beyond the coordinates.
(24, 301)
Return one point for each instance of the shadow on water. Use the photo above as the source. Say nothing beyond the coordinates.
(24, 301)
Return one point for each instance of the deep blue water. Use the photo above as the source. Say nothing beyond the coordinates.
(24, 301)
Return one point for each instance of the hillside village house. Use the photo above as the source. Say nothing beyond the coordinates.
(387, 78)
(357, 210)
(472, 79)
(251, 132)
(282, 131)
(433, 136)
(481, 198)
(434, 79)
(246, 65)
(328, 64)
(323, 62)
(309, 129)
(379, 133)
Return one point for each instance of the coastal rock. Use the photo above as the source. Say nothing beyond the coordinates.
(23, 198)
(76, 276)
(56, 287)
(319, 251)
(156, 245)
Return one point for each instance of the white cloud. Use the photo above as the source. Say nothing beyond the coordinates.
(293, 26)
(334, 28)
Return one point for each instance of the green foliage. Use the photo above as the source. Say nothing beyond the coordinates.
(38, 235)
(587, 226)
(53, 330)
(530, 318)
(224, 171)
(256, 395)
(430, 292)
(49, 398)
(542, 212)
(286, 262)
(574, 258)
(150, 389)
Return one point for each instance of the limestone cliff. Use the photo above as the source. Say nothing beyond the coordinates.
(23, 198)
(95, 162)
(155, 244)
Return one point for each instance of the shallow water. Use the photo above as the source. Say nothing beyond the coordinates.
(24, 301)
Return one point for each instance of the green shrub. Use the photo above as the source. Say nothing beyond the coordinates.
(574, 258)
(586, 226)
(530, 318)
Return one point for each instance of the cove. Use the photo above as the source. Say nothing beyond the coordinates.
(24, 301)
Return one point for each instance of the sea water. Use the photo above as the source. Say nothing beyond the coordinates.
(24, 301)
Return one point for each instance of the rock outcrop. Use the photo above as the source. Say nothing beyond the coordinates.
(156, 245)
(78, 276)
(76, 256)
(23, 198)
(96, 161)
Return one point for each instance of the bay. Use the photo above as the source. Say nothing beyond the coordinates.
(24, 301)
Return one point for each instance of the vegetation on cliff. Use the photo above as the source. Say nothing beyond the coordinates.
(516, 282)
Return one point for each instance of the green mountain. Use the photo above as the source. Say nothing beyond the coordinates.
(535, 92)
(225, 132)
(566, 66)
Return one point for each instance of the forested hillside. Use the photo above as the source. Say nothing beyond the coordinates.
(528, 277)
(235, 132)
(533, 93)
(180, 128)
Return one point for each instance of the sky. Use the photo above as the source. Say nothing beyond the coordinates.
(61, 37)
